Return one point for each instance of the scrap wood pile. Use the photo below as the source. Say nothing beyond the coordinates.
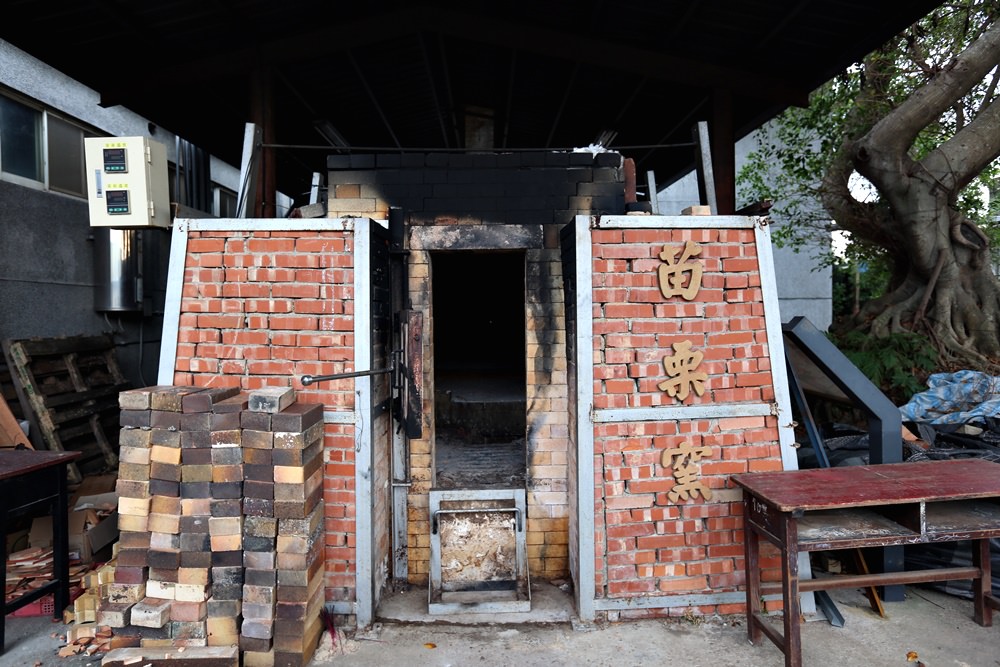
(67, 389)
(922, 441)
(30, 569)
(957, 416)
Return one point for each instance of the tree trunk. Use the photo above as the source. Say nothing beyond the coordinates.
(943, 283)
(947, 289)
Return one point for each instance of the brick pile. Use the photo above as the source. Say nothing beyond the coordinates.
(282, 531)
(220, 522)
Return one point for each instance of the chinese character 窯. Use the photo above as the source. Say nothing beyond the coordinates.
(683, 461)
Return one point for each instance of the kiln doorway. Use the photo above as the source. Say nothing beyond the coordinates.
(479, 369)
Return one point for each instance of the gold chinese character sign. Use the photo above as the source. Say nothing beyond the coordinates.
(680, 368)
(683, 462)
(680, 276)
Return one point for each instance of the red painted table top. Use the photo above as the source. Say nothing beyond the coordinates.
(15, 462)
(884, 484)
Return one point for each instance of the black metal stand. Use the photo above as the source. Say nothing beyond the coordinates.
(27, 479)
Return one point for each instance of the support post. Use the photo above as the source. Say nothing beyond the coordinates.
(723, 149)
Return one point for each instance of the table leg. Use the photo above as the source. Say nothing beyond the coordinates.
(3, 572)
(751, 543)
(60, 543)
(982, 587)
(790, 593)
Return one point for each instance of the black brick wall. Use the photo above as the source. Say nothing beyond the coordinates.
(506, 188)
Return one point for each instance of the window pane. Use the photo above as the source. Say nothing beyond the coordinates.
(20, 137)
(172, 182)
(227, 203)
(66, 162)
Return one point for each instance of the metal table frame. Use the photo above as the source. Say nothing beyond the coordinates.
(27, 479)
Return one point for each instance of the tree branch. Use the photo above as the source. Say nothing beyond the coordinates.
(835, 195)
(990, 90)
(896, 131)
(957, 161)
(868, 222)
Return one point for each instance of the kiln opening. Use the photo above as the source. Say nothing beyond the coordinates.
(479, 369)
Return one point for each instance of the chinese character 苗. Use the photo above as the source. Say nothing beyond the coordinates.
(681, 369)
(683, 461)
(674, 273)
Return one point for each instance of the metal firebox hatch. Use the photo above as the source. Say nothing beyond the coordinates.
(478, 551)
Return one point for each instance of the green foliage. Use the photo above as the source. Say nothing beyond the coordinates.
(795, 151)
(791, 157)
(856, 281)
(897, 364)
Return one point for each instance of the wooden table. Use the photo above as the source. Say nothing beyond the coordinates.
(27, 479)
(867, 506)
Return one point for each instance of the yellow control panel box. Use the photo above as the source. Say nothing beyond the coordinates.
(127, 182)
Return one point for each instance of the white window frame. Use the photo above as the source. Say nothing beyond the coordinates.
(43, 148)
(43, 158)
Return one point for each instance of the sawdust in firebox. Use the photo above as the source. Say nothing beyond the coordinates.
(477, 547)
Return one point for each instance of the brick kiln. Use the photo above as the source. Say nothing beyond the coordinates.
(508, 351)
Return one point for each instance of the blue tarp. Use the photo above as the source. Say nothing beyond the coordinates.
(955, 398)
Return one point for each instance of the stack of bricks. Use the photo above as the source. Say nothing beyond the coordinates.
(225, 509)
(220, 532)
(182, 469)
(260, 532)
(282, 530)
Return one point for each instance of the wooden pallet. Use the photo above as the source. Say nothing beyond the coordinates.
(11, 434)
(68, 387)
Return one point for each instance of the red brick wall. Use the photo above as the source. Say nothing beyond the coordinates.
(262, 309)
(647, 543)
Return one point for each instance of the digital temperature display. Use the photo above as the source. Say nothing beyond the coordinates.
(117, 202)
(114, 161)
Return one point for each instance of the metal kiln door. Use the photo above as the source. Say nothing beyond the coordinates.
(479, 558)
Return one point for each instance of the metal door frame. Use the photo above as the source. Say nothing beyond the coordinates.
(367, 412)
(520, 523)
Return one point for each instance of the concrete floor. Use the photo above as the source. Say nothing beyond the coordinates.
(938, 627)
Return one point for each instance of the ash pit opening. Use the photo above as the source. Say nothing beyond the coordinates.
(479, 369)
